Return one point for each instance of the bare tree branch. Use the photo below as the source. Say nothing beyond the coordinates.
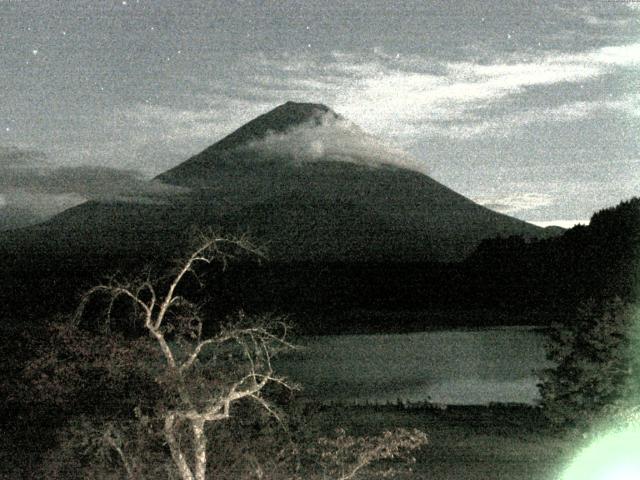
(110, 441)
(256, 342)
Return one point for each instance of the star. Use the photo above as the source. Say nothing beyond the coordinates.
(34, 51)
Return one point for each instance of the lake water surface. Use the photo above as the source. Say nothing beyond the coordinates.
(449, 366)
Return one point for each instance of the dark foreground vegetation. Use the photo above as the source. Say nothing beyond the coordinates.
(135, 385)
(126, 388)
(471, 443)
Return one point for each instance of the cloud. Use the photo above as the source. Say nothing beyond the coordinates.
(220, 115)
(628, 104)
(14, 157)
(14, 216)
(90, 182)
(400, 98)
(456, 103)
(32, 189)
(603, 15)
(397, 97)
(503, 125)
(21, 208)
(515, 203)
(404, 97)
(328, 138)
(100, 183)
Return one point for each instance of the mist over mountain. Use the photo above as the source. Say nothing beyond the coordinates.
(34, 189)
(292, 134)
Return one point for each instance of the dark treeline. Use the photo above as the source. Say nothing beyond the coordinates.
(510, 275)
(505, 274)
(594, 262)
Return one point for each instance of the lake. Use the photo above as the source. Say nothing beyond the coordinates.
(463, 367)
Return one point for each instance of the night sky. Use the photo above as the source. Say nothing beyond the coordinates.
(531, 108)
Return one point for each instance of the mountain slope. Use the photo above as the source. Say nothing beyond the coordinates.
(317, 187)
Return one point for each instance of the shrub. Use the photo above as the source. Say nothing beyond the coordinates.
(595, 365)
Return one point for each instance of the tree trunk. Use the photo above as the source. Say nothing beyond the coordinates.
(200, 448)
(176, 453)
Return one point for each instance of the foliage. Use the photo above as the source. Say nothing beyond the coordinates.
(77, 367)
(596, 366)
(249, 446)
(106, 448)
(599, 261)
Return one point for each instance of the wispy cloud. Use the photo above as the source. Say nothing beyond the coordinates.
(515, 203)
(503, 125)
(20, 208)
(89, 182)
(33, 189)
(400, 97)
(219, 115)
(455, 103)
(15, 157)
(332, 139)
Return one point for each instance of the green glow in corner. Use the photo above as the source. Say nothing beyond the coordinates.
(615, 456)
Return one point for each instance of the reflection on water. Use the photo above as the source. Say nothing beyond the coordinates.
(452, 367)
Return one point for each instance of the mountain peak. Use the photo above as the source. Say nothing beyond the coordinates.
(290, 134)
(278, 120)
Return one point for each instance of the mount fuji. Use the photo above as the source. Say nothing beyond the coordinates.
(301, 179)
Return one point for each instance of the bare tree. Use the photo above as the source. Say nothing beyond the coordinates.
(344, 457)
(203, 377)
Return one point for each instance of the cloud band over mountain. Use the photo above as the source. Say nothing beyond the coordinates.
(31, 189)
(331, 138)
